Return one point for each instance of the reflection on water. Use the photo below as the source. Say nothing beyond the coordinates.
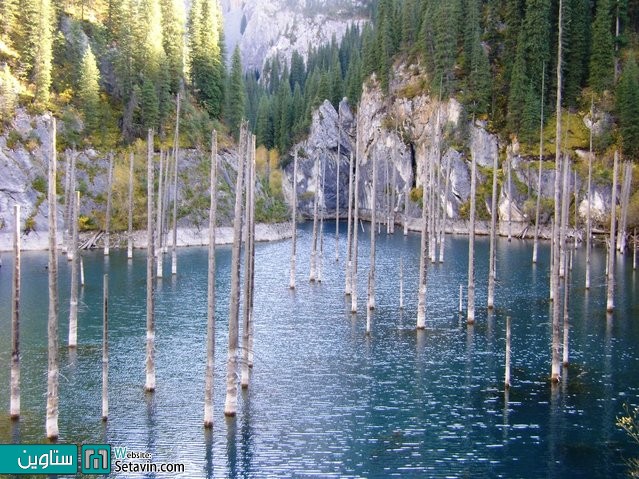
(325, 399)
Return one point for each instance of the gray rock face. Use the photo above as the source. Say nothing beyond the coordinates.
(278, 27)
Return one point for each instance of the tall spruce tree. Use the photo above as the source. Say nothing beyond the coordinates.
(89, 91)
(628, 108)
(602, 57)
(237, 99)
(173, 41)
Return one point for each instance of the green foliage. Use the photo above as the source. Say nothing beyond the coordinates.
(602, 58)
(628, 108)
(629, 423)
(236, 98)
(39, 184)
(9, 90)
(271, 210)
(88, 99)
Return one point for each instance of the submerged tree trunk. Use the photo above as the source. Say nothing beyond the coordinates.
(565, 202)
(252, 258)
(556, 345)
(52, 326)
(349, 229)
(566, 314)
(248, 274)
(610, 301)
(355, 229)
(470, 314)
(176, 158)
(14, 408)
(442, 229)
(493, 239)
(507, 372)
(371, 270)
(291, 283)
(105, 347)
(541, 154)
(339, 157)
(406, 198)
(320, 263)
(210, 310)
(67, 206)
(423, 253)
(510, 201)
(73, 303)
(107, 233)
(149, 384)
(588, 210)
(129, 245)
(158, 220)
(625, 200)
(313, 271)
(230, 405)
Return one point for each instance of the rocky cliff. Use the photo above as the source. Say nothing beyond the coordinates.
(399, 132)
(265, 28)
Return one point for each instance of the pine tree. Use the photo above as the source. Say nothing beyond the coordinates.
(173, 41)
(475, 62)
(89, 90)
(263, 124)
(602, 57)
(149, 105)
(628, 108)
(577, 49)
(298, 70)
(34, 43)
(237, 100)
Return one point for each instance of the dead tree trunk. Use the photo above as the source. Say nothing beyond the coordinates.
(392, 201)
(210, 316)
(105, 347)
(566, 313)
(355, 227)
(158, 220)
(176, 158)
(510, 201)
(73, 303)
(556, 345)
(107, 233)
(371, 270)
(291, 283)
(14, 408)
(493, 240)
(320, 263)
(625, 200)
(69, 209)
(313, 271)
(565, 203)
(230, 406)
(541, 154)
(401, 283)
(610, 301)
(248, 251)
(129, 246)
(149, 384)
(470, 314)
(588, 210)
(349, 229)
(252, 258)
(339, 157)
(442, 229)
(52, 326)
(406, 198)
(507, 372)
(423, 253)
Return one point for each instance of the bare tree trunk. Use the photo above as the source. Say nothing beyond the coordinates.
(73, 303)
(507, 373)
(52, 326)
(371, 270)
(566, 314)
(551, 288)
(355, 226)
(541, 154)
(339, 158)
(576, 193)
(69, 207)
(107, 233)
(470, 314)
(610, 301)
(423, 252)
(320, 263)
(14, 408)
(248, 251)
(81, 271)
(230, 406)
(165, 202)
(510, 201)
(349, 230)
(634, 250)
(313, 271)
(158, 222)
(210, 310)
(406, 198)
(105, 347)
(442, 229)
(291, 283)
(556, 345)
(176, 158)
(461, 296)
(129, 246)
(392, 201)
(565, 201)
(493, 239)
(588, 210)
(625, 200)
(252, 263)
(401, 283)
(149, 384)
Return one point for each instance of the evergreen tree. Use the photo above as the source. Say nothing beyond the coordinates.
(263, 124)
(576, 49)
(298, 70)
(602, 57)
(88, 97)
(173, 41)
(9, 12)
(149, 105)
(628, 108)
(237, 100)
(354, 79)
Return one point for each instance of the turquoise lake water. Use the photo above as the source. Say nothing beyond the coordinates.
(326, 400)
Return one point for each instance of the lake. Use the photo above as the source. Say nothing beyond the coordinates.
(326, 400)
